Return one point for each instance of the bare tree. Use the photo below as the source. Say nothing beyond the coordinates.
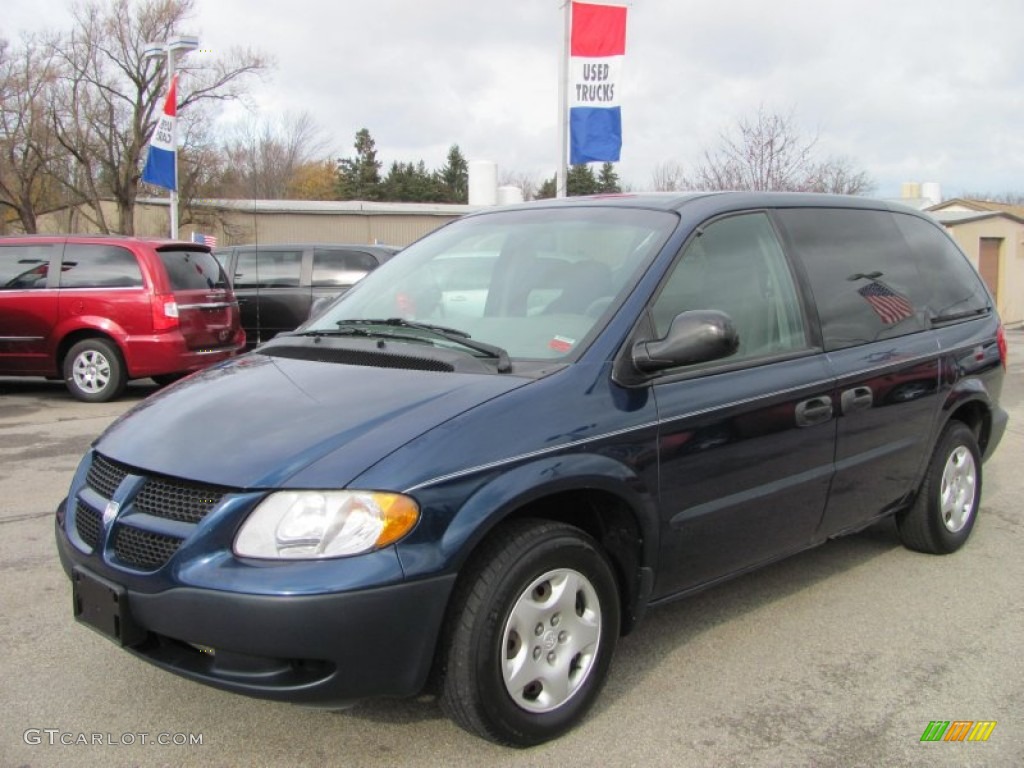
(668, 176)
(26, 143)
(110, 94)
(769, 153)
(524, 181)
(262, 160)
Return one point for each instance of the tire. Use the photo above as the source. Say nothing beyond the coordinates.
(530, 635)
(943, 514)
(94, 371)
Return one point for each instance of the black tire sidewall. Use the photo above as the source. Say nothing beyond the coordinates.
(524, 728)
(957, 435)
(117, 380)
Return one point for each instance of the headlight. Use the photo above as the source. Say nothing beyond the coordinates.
(309, 525)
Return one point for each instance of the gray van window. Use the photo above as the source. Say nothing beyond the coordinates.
(737, 266)
(268, 268)
(23, 267)
(866, 285)
(99, 266)
(952, 286)
(340, 268)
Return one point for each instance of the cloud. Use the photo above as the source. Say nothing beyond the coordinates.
(910, 90)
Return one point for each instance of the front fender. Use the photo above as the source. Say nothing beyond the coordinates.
(493, 498)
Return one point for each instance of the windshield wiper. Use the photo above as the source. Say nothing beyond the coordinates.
(454, 335)
(950, 317)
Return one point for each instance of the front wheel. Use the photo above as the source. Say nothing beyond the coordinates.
(94, 371)
(533, 627)
(943, 514)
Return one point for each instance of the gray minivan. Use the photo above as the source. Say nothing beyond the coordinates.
(277, 284)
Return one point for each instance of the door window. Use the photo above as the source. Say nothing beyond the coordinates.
(737, 266)
(268, 268)
(866, 285)
(24, 267)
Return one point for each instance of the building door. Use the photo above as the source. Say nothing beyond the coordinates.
(988, 263)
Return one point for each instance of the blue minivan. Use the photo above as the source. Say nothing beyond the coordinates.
(480, 467)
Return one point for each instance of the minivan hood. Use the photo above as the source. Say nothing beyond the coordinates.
(257, 421)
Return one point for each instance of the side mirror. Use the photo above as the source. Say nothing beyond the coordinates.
(697, 336)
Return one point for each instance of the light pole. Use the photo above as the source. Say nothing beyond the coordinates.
(180, 45)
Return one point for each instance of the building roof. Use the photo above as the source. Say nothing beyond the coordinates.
(968, 204)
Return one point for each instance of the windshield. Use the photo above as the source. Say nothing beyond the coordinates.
(537, 283)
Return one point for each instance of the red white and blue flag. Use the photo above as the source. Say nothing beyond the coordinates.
(597, 45)
(199, 237)
(160, 165)
(892, 307)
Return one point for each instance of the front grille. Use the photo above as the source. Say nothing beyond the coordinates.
(138, 540)
(143, 549)
(177, 500)
(105, 476)
(88, 525)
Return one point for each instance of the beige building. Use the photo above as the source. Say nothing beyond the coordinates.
(275, 221)
(992, 236)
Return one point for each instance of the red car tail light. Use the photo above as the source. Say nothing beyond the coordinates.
(1001, 341)
(165, 312)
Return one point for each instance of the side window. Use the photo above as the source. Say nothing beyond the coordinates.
(737, 266)
(952, 287)
(99, 266)
(24, 267)
(340, 268)
(268, 268)
(866, 286)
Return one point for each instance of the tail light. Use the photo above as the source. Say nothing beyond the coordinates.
(165, 312)
(1001, 341)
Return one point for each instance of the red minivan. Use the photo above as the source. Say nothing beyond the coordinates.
(100, 310)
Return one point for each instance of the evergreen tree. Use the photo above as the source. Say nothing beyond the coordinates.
(608, 180)
(454, 177)
(579, 181)
(359, 177)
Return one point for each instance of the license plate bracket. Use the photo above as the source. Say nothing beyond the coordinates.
(103, 606)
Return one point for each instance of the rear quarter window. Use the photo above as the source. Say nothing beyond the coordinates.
(866, 285)
(193, 270)
(951, 285)
(87, 265)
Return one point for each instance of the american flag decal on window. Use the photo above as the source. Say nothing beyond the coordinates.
(889, 305)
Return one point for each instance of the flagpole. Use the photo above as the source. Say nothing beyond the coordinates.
(563, 105)
(174, 140)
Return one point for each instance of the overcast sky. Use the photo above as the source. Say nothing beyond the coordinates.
(908, 90)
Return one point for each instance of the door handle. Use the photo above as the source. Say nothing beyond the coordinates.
(817, 410)
(857, 399)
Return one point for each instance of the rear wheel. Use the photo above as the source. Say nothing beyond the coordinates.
(533, 628)
(941, 519)
(94, 371)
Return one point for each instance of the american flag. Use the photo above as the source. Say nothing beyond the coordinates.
(210, 240)
(889, 305)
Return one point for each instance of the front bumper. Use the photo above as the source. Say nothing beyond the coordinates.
(327, 649)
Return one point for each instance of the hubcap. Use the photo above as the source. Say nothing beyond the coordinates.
(551, 639)
(959, 486)
(91, 371)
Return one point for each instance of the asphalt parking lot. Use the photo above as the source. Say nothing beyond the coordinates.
(841, 656)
